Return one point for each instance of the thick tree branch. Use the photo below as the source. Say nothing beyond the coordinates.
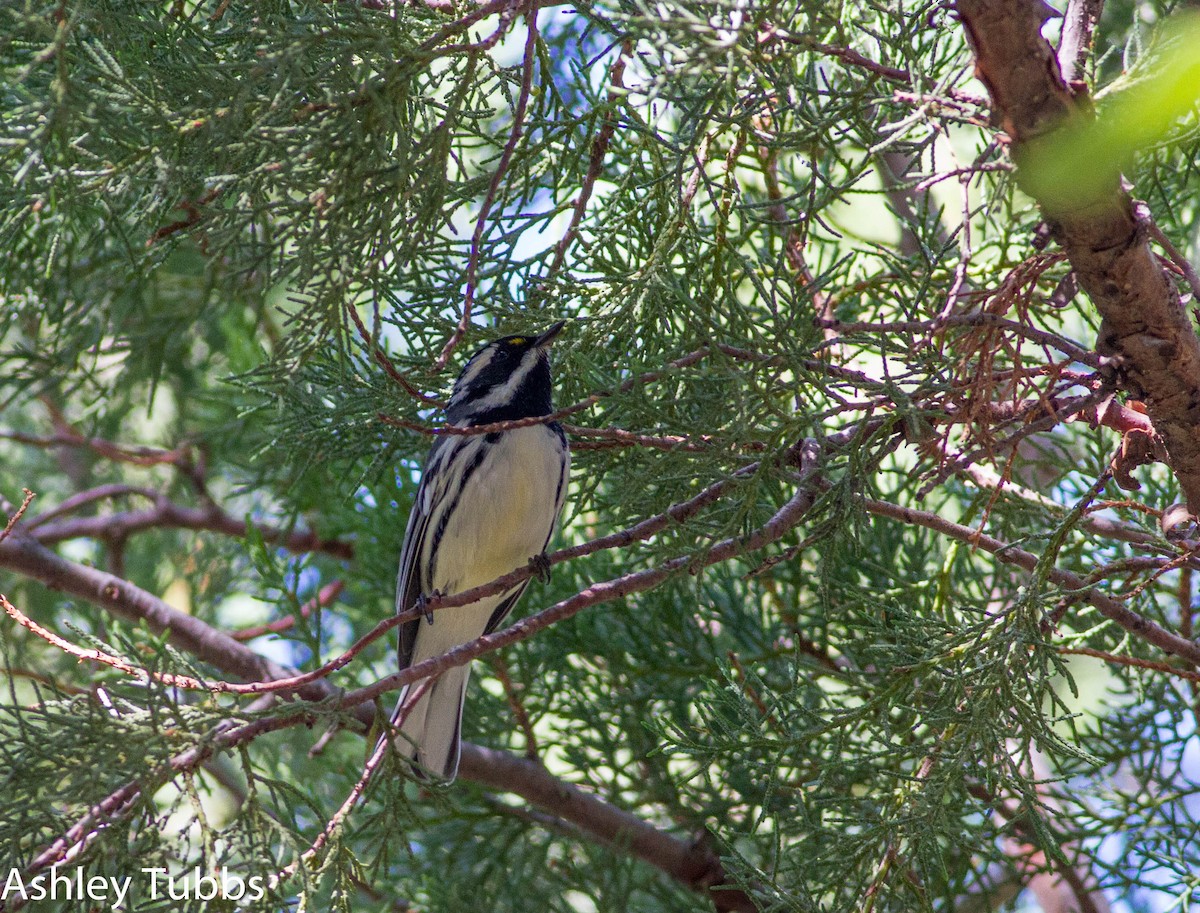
(693, 864)
(1143, 320)
(32, 559)
(1079, 21)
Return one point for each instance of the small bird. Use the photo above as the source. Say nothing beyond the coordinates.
(487, 504)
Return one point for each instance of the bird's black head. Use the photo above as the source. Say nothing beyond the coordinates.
(508, 378)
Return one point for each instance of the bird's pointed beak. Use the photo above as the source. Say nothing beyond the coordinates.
(548, 337)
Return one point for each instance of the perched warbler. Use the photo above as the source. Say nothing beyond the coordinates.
(487, 504)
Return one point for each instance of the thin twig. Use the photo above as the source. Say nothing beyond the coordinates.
(500, 667)
(514, 136)
(16, 517)
(846, 55)
(1133, 661)
(1175, 255)
(83, 498)
(596, 159)
(167, 514)
(384, 362)
(122, 453)
(1078, 353)
(325, 596)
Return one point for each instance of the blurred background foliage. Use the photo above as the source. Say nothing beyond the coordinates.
(865, 716)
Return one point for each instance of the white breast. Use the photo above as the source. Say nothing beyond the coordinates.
(507, 511)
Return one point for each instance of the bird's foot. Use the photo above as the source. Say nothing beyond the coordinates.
(541, 567)
(423, 604)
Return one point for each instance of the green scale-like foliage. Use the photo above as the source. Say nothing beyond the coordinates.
(866, 715)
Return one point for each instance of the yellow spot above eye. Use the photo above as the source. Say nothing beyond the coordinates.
(517, 341)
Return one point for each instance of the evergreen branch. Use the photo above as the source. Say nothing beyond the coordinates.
(90, 654)
(382, 747)
(619, 437)
(1028, 844)
(616, 90)
(1052, 413)
(1135, 624)
(608, 437)
(1069, 348)
(514, 136)
(195, 212)
(961, 173)
(494, 7)
(231, 735)
(793, 243)
(167, 514)
(389, 368)
(845, 55)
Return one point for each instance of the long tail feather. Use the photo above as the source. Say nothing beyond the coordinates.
(430, 735)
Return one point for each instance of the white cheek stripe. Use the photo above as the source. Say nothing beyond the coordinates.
(503, 393)
(473, 370)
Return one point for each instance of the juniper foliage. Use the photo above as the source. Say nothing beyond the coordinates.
(866, 715)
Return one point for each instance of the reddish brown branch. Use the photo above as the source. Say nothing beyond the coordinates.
(122, 453)
(17, 514)
(84, 498)
(195, 212)
(384, 362)
(1133, 661)
(91, 654)
(1143, 321)
(28, 557)
(520, 714)
(1135, 624)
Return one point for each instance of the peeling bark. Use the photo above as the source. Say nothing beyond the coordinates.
(1144, 325)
